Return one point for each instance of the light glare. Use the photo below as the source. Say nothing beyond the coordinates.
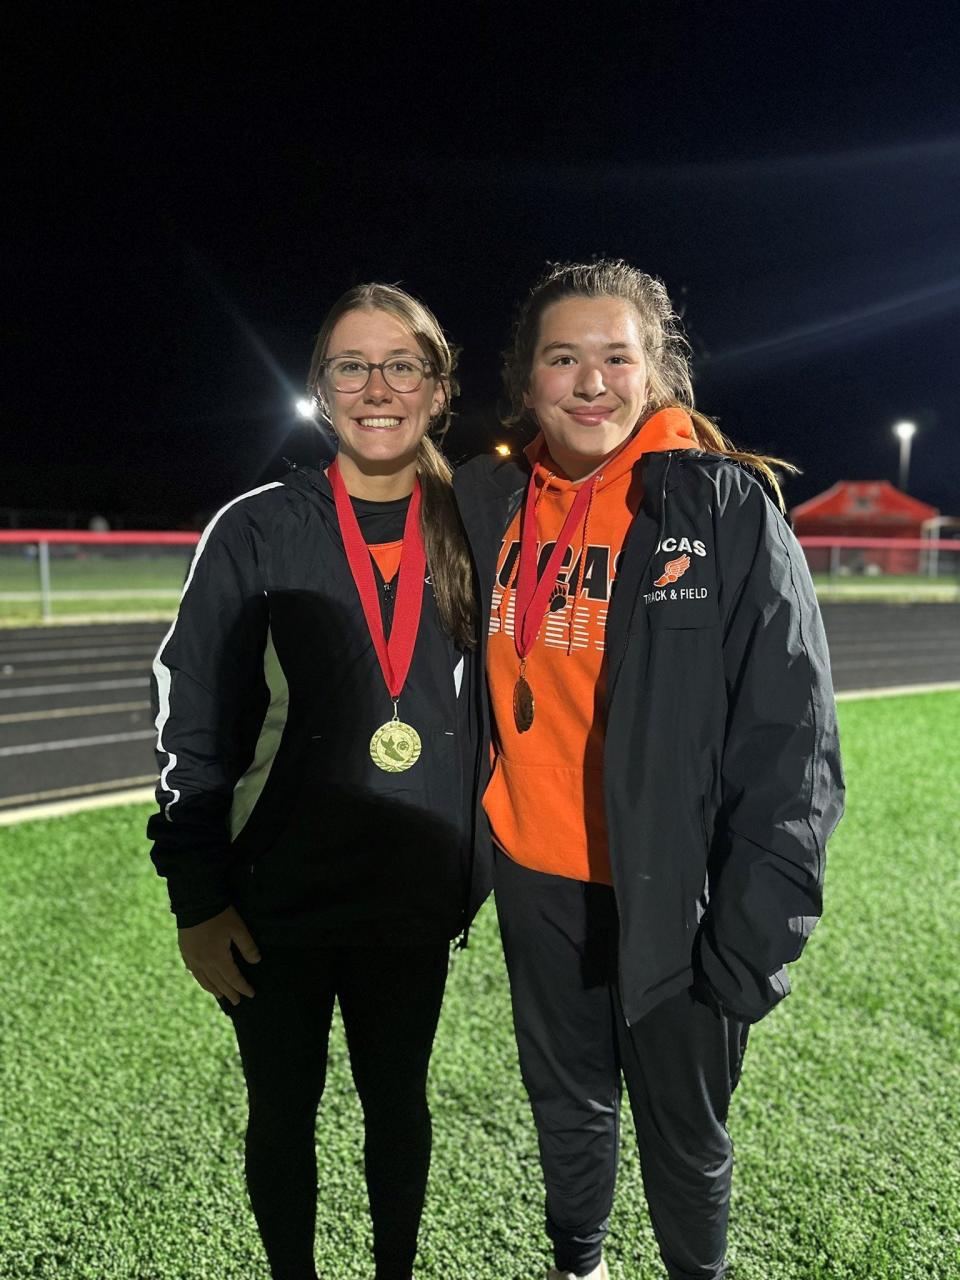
(305, 408)
(905, 430)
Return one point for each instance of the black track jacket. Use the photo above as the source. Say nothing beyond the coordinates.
(722, 773)
(266, 692)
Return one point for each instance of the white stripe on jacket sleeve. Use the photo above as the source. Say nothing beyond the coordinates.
(162, 672)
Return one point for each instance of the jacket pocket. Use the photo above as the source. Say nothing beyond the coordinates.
(683, 615)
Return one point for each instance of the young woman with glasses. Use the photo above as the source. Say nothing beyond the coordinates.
(317, 707)
(666, 769)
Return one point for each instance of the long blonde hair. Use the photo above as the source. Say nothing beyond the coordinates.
(666, 350)
(444, 539)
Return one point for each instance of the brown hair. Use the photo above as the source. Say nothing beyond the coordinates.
(446, 545)
(666, 350)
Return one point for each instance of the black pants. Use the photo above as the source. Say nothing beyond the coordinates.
(680, 1062)
(390, 1001)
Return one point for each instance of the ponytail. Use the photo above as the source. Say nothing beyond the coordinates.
(711, 439)
(446, 545)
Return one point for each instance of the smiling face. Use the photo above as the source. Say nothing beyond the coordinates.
(379, 429)
(588, 381)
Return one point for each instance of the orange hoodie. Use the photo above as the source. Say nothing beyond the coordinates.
(545, 796)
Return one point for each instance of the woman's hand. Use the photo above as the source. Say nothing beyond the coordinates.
(206, 953)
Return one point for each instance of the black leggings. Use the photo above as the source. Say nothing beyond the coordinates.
(390, 1001)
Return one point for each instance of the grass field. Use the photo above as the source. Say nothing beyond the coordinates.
(124, 1109)
(891, 588)
(135, 585)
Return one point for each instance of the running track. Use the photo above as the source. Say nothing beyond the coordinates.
(74, 701)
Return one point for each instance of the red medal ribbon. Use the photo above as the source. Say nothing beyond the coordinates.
(394, 656)
(531, 595)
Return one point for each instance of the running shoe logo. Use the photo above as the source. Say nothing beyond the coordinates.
(673, 570)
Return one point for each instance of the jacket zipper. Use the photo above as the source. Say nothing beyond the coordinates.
(661, 527)
(460, 941)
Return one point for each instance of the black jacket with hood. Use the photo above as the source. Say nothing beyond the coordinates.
(266, 692)
(722, 774)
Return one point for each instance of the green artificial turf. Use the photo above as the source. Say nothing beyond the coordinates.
(123, 1106)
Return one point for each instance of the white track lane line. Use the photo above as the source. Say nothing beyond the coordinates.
(68, 713)
(897, 690)
(85, 686)
(95, 668)
(105, 800)
(58, 655)
(117, 618)
(898, 644)
(81, 789)
(850, 663)
(58, 637)
(70, 744)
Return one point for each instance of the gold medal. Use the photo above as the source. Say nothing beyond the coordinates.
(522, 702)
(395, 746)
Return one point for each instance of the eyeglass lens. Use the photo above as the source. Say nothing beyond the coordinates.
(348, 374)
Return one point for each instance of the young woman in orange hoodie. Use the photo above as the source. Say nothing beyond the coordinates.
(665, 767)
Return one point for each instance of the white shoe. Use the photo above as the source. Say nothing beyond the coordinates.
(599, 1272)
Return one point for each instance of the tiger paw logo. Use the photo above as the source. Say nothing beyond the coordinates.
(673, 570)
(558, 598)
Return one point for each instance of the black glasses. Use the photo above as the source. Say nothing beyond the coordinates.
(402, 373)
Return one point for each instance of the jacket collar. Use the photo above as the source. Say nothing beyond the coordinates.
(510, 475)
(315, 477)
(490, 490)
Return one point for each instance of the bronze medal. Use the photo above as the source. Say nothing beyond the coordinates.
(532, 592)
(522, 705)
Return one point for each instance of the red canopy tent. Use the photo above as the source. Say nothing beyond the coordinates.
(864, 509)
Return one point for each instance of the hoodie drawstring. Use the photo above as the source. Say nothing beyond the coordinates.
(582, 565)
(512, 586)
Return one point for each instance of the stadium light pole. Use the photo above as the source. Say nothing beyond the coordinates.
(905, 431)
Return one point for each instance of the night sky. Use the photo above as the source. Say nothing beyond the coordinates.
(192, 186)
